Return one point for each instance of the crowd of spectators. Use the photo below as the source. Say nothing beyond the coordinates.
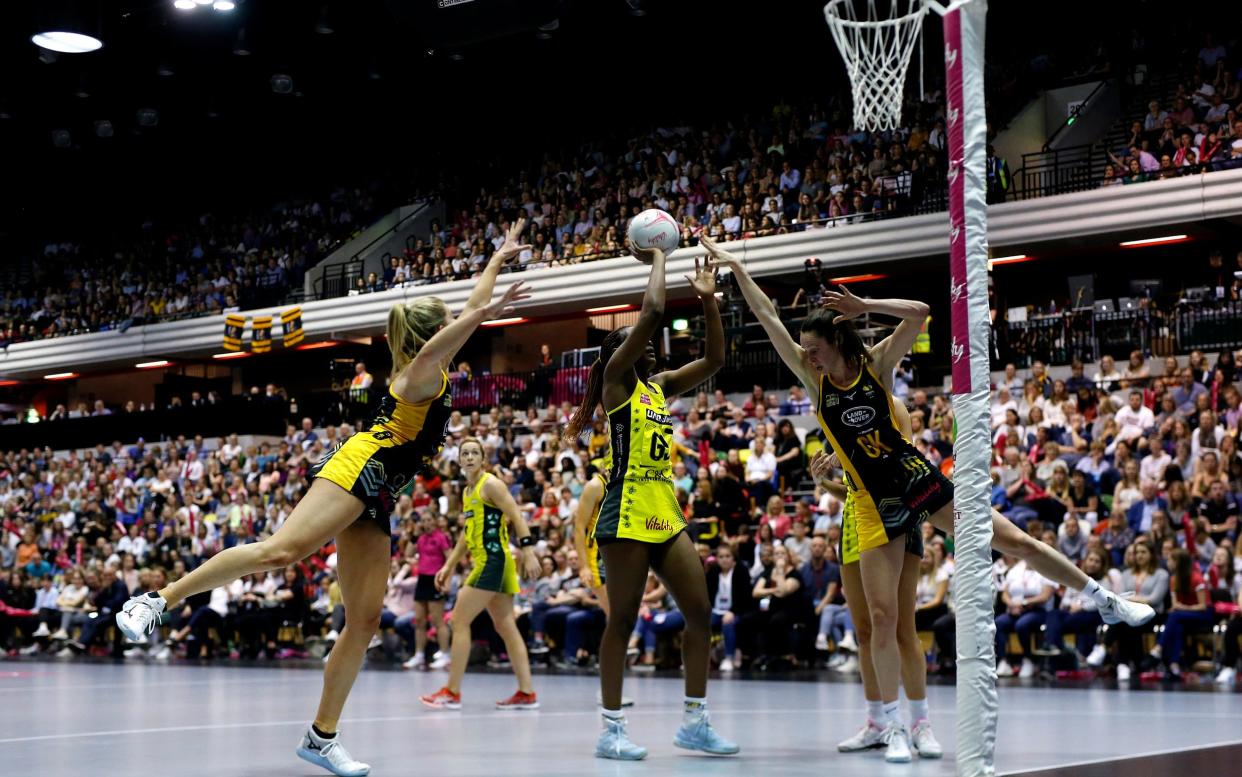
(217, 262)
(1132, 474)
(790, 170)
(1199, 131)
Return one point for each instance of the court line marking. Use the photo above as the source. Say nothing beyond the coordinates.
(1091, 761)
(429, 716)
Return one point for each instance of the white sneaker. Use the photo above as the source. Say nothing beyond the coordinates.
(821, 642)
(416, 661)
(331, 755)
(140, 615)
(848, 666)
(898, 739)
(1098, 654)
(30, 650)
(163, 654)
(135, 652)
(1003, 669)
(1123, 673)
(333, 636)
(727, 665)
(66, 652)
(1227, 676)
(1027, 670)
(42, 631)
(848, 643)
(870, 736)
(60, 634)
(1118, 609)
(836, 660)
(924, 740)
(441, 660)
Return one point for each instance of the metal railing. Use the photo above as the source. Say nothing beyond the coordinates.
(339, 278)
(1086, 334)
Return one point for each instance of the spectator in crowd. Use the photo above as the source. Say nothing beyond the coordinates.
(1027, 598)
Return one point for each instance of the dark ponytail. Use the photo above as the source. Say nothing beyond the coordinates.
(841, 335)
(594, 387)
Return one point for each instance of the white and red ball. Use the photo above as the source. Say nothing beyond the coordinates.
(653, 228)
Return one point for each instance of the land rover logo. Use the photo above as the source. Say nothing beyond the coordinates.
(858, 416)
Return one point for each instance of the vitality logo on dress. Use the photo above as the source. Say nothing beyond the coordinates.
(656, 523)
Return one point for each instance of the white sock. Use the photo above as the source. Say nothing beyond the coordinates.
(918, 710)
(875, 712)
(1097, 594)
(614, 715)
(892, 713)
(693, 710)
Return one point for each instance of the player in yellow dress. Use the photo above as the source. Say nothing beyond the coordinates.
(640, 524)
(488, 508)
(352, 492)
(590, 501)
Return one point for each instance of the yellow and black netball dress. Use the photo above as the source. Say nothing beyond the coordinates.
(376, 464)
(595, 559)
(847, 550)
(640, 504)
(487, 538)
(894, 488)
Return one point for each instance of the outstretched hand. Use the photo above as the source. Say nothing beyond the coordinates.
(704, 279)
(822, 464)
(511, 247)
(503, 305)
(845, 303)
(721, 256)
(645, 255)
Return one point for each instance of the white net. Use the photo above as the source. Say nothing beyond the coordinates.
(876, 46)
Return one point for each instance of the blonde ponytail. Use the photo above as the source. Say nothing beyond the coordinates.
(410, 326)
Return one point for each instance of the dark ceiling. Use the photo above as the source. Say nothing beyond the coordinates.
(403, 89)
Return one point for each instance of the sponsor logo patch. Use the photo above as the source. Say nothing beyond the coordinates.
(644, 399)
(660, 418)
(656, 523)
(832, 400)
(858, 416)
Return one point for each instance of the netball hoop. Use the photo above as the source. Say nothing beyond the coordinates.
(876, 46)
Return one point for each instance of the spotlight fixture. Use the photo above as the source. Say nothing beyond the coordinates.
(61, 138)
(636, 7)
(67, 26)
(147, 117)
(66, 42)
(104, 129)
(224, 6)
(282, 84)
(241, 48)
(456, 57)
(164, 70)
(184, 5)
(544, 31)
(203, 2)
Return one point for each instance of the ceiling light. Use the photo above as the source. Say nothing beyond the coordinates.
(60, 376)
(66, 42)
(680, 324)
(147, 117)
(609, 308)
(61, 138)
(224, 5)
(233, 355)
(1155, 241)
(104, 129)
(505, 321)
(164, 70)
(184, 5)
(203, 2)
(456, 57)
(240, 48)
(153, 365)
(323, 26)
(317, 346)
(282, 84)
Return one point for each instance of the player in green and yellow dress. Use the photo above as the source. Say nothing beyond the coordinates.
(488, 508)
(640, 524)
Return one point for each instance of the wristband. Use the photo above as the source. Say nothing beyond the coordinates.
(526, 542)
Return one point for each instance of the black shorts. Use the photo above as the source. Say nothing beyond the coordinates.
(425, 590)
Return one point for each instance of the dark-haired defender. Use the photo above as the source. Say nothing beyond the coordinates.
(896, 487)
(640, 523)
(353, 490)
